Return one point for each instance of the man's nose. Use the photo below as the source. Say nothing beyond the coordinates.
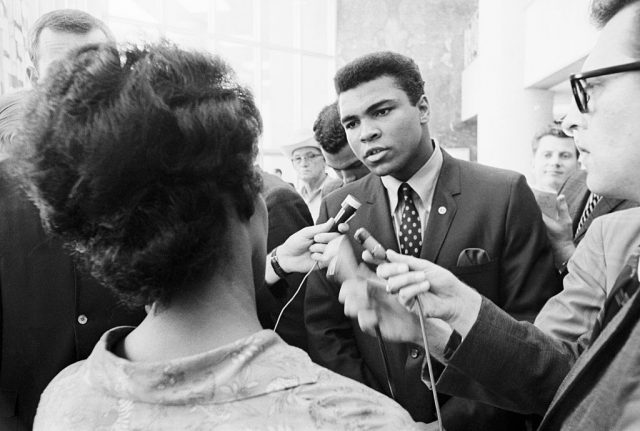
(572, 120)
(368, 131)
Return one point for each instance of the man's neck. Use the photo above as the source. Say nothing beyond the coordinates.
(315, 183)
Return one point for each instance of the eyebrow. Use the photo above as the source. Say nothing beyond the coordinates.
(369, 110)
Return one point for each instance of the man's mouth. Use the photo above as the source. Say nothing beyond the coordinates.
(375, 154)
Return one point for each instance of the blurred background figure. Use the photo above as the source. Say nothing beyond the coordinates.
(313, 183)
(336, 150)
(52, 315)
(555, 158)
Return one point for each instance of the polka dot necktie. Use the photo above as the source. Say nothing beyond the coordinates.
(410, 234)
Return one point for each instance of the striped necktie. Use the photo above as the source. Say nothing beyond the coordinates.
(588, 209)
(410, 234)
(623, 289)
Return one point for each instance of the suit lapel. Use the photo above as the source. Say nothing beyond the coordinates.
(604, 206)
(375, 214)
(443, 208)
(626, 317)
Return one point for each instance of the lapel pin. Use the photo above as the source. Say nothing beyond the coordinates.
(442, 210)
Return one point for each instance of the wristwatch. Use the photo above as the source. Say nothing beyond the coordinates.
(276, 265)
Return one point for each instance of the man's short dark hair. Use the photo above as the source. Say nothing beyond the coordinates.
(139, 166)
(363, 69)
(329, 131)
(551, 129)
(65, 21)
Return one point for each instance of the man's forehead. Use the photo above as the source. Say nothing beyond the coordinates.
(62, 41)
(368, 93)
(615, 42)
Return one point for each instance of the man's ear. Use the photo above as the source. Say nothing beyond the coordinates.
(424, 108)
(32, 74)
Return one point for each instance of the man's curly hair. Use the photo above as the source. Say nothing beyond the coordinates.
(131, 157)
(329, 131)
(369, 67)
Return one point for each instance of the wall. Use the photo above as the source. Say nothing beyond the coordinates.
(430, 32)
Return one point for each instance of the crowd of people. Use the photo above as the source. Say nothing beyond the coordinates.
(153, 277)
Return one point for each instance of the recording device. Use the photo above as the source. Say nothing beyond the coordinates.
(370, 243)
(348, 209)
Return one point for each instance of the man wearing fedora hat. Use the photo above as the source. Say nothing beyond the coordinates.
(313, 182)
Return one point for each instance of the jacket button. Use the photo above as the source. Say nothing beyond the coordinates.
(414, 353)
(82, 319)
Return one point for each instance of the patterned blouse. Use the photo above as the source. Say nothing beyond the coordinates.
(257, 383)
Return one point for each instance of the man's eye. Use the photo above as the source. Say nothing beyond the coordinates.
(382, 112)
(350, 125)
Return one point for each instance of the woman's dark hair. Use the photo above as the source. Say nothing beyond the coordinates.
(134, 159)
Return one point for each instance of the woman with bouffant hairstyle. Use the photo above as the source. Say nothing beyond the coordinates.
(142, 161)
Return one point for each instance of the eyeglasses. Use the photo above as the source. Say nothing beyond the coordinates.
(310, 157)
(579, 81)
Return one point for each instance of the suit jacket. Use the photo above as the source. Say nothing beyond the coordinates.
(593, 270)
(51, 315)
(288, 213)
(576, 192)
(523, 369)
(473, 206)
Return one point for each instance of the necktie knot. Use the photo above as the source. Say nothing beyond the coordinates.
(405, 192)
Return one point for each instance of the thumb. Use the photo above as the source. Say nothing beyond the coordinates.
(413, 263)
(562, 207)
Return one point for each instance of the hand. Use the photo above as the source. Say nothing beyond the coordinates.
(442, 295)
(560, 232)
(301, 251)
(365, 299)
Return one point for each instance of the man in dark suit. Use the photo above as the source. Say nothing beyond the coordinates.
(514, 364)
(482, 223)
(288, 213)
(51, 315)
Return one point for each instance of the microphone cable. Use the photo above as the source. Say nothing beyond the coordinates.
(314, 267)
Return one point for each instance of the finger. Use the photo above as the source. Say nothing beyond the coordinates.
(368, 320)
(400, 281)
(414, 263)
(317, 247)
(343, 227)
(368, 257)
(407, 296)
(562, 207)
(352, 289)
(387, 270)
(325, 237)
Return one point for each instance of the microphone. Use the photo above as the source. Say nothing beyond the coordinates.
(370, 243)
(348, 209)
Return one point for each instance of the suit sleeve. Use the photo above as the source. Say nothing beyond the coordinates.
(571, 313)
(330, 333)
(527, 280)
(520, 368)
(288, 213)
(528, 275)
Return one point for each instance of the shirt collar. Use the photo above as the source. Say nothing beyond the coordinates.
(259, 364)
(423, 182)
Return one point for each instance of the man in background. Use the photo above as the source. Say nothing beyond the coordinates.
(51, 315)
(335, 148)
(313, 183)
